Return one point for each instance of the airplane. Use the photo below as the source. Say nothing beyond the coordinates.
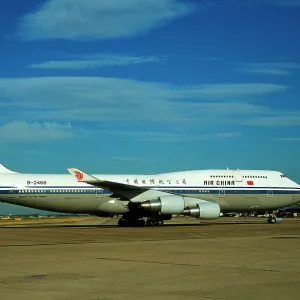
(203, 194)
(295, 208)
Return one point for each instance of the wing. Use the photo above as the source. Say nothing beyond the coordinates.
(118, 189)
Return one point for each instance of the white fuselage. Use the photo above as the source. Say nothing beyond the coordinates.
(234, 190)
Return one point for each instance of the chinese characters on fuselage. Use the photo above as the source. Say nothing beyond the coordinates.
(153, 181)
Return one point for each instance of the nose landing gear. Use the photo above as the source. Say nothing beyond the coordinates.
(272, 219)
(134, 222)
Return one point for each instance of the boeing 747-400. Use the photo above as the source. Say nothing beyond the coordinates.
(202, 194)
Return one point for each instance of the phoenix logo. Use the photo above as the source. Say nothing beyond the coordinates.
(78, 175)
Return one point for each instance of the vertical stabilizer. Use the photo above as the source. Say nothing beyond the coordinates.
(5, 170)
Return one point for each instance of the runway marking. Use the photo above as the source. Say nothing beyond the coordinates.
(194, 265)
(221, 239)
(197, 236)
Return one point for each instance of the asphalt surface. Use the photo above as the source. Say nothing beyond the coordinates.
(230, 258)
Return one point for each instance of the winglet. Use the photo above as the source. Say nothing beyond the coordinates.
(81, 176)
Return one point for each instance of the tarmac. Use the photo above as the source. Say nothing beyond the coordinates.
(225, 259)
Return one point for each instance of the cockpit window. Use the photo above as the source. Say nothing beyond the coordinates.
(282, 175)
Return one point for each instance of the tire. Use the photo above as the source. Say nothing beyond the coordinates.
(272, 220)
(122, 223)
(141, 223)
(160, 223)
(151, 223)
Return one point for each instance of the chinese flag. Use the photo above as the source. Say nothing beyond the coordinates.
(250, 182)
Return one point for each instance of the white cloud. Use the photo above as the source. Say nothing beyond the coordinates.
(100, 19)
(71, 99)
(237, 90)
(98, 62)
(179, 137)
(168, 136)
(268, 68)
(48, 106)
(30, 131)
(23, 131)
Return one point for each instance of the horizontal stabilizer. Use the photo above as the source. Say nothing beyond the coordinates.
(5, 170)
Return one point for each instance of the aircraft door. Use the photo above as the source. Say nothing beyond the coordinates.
(237, 175)
(269, 192)
(99, 193)
(222, 192)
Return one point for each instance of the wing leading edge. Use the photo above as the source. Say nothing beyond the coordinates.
(118, 189)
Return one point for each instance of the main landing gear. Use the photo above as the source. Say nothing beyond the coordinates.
(154, 222)
(134, 222)
(131, 222)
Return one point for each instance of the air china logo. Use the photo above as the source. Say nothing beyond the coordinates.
(78, 175)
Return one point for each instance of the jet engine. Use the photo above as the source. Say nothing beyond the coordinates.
(171, 204)
(206, 210)
(174, 204)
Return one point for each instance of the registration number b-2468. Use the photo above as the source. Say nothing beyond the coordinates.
(36, 182)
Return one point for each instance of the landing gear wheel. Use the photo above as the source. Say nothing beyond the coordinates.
(154, 222)
(272, 220)
(131, 223)
(140, 223)
(123, 223)
(150, 222)
(160, 223)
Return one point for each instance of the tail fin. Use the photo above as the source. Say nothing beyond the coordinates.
(5, 170)
(82, 176)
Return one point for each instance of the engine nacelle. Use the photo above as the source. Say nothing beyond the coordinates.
(170, 204)
(205, 210)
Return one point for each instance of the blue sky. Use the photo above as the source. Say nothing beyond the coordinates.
(147, 86)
